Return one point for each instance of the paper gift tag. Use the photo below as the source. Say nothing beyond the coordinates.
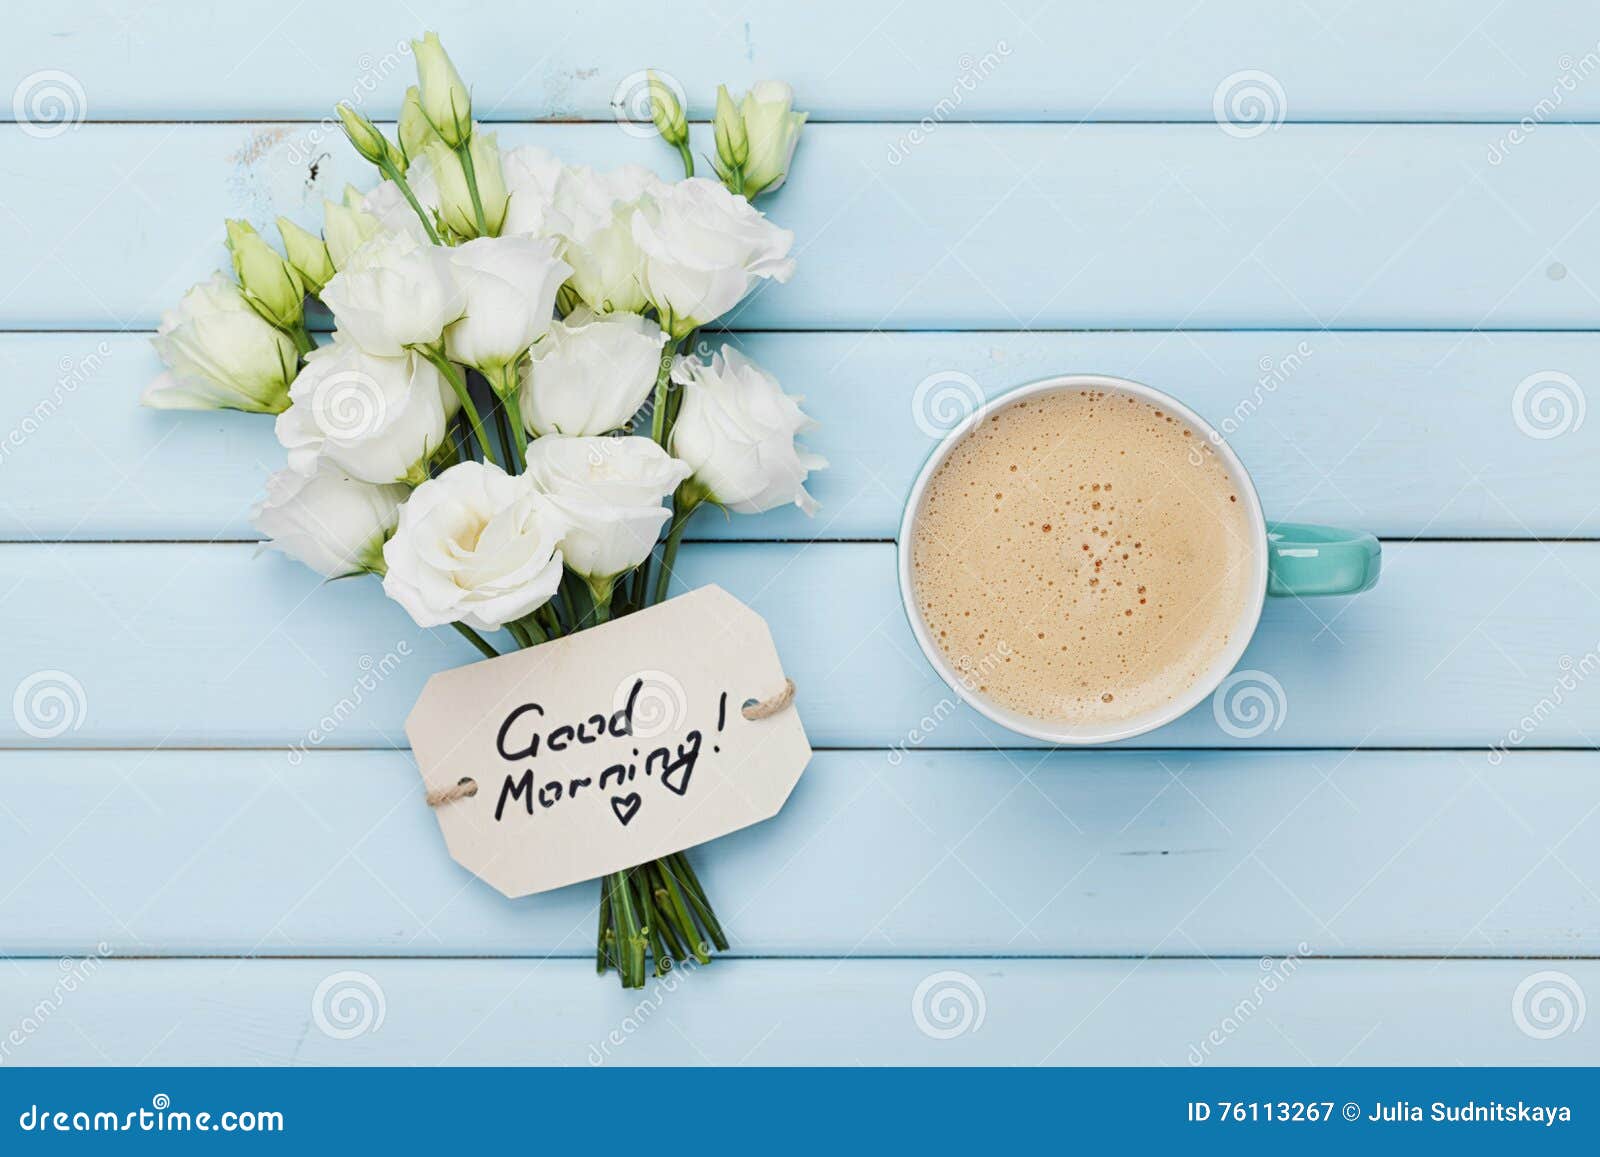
(611, 747)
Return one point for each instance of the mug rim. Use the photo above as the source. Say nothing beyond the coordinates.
(1060, 733)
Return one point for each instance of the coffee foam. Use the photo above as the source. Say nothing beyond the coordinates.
(1082, 557)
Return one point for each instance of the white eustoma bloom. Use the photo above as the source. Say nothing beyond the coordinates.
(530, 174)
(590, 373)
(220, 354)
(394, 214)
(593, 214)
(610, 490)
(772, 129)
(394, 293)
(333, 523)
(377, 419)
(477, 546)
(736, 429)
(704, 248)
(508, 287)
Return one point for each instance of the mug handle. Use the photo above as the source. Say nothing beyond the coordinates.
(1304, 561)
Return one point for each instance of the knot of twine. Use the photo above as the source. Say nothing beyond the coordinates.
(467, 787)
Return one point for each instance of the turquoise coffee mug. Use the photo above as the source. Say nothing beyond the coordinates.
(1294, 560)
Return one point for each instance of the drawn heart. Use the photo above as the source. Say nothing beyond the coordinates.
(626, 807)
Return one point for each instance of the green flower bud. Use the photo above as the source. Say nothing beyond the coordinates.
(667, 113)
(347, 228)
(773, 128)
(733, 146)
(368, 141)
(307, 253)
(443, 96)
(270, 284)
(455, 195)
(416, 134)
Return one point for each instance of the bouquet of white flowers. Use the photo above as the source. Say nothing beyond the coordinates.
(504, 323)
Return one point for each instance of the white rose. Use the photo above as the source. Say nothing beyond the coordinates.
(474, 545)
(530, 175)
(377, 419)
(394, 293)
(736, 430)
(704, 248)
(610, 491)
(220, 354)
(331, 522)
(508, 286)
(591, 373)
(593, 214)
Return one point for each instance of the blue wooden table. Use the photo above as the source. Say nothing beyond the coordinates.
(1362, 237)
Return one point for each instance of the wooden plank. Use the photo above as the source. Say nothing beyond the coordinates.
(1404, 434)
(979, 226)
(935, 853)
(1161, 59)
(802, 1012)
(186, 645)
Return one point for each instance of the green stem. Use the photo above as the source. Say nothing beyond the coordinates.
(549, 621)
(464, 151)
(302, 339)
(602, 945)
(687, 157)
(520, 634)
(680, 912)
(669, 553)
(476, 640)
(399, 179)
(696, 896)
(468, 406)
(658, 407)
(602, 609)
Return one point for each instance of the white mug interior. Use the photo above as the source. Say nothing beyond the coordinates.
(1225, 660)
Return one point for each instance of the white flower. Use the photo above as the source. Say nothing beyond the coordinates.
(736, 430)
(377, 419)
(394, 293)
(593, 214)
(220, 354)
(455, 194)
(704, 248)
(474, 545)
(772, 128)
(508, 285)
(530, 175)
(610, 491)
(327, 520)
(393, 213)
(591, 373)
